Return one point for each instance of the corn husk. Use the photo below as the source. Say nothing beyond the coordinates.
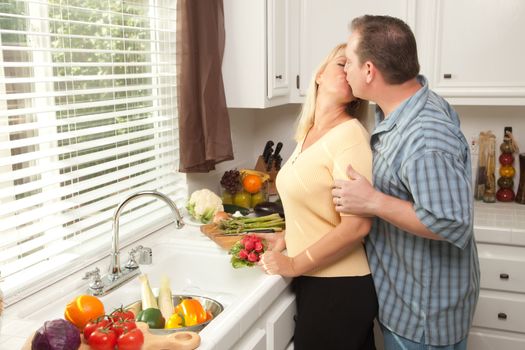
(148, 299)
(165, 299)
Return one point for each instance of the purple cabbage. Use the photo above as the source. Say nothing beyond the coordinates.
(56, 335)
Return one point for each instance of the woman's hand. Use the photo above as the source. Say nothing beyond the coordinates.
(275, 240)
(276, 263)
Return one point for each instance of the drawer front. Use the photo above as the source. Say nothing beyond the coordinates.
(480, 339)
(254, 340)
(280, 323)
(502, 268)
(500, 310)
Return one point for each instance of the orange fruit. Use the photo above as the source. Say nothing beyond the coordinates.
(83, 309)
(252, 183)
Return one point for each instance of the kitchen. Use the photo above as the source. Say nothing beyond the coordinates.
(486, 86)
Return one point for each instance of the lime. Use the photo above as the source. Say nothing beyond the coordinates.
(257, 198)
(227, 198)
(242, 199)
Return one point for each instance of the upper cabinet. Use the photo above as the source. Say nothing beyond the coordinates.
(256, 64)
(471, 52)
(324, 24)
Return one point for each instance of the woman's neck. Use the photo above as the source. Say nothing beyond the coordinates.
(328, 115)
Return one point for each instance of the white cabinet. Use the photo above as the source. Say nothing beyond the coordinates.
(256, 55)
(473, 52)
(274, 329)
(499, 320)
(323, 25)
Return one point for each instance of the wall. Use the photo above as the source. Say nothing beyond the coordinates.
(251, 128)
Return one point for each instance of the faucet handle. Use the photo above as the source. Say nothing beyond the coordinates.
(96, 284)
(132, 264)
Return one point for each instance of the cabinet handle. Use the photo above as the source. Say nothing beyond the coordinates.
(447, 76)
(278, 76)
(504, 276)
(502, 316)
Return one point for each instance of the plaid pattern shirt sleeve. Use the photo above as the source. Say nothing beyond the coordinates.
(425, 287)
(437, 182)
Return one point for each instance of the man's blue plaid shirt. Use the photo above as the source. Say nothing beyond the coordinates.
(425, 286)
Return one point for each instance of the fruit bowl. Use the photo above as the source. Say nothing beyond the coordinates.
(213, 306)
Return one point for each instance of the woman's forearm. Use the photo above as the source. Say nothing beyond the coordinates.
(332, 246)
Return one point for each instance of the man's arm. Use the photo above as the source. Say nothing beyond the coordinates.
(358, 196)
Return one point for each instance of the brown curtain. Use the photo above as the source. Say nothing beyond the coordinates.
(204, 124)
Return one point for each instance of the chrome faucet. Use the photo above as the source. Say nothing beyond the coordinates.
(114, 265)
(116, 276)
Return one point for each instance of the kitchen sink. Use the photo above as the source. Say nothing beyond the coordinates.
(191, 271)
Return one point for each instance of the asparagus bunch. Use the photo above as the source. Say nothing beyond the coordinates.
(237, 225)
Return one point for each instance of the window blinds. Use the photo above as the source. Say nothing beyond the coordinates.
(88, 115)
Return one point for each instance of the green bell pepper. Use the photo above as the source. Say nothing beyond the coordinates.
(153, 317)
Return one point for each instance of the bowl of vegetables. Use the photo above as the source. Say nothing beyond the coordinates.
(191, 313)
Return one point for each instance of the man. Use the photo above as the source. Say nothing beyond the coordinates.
(421, 248)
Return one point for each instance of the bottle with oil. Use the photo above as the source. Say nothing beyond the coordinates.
(490, 185)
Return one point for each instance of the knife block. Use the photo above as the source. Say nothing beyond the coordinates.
(261, 166)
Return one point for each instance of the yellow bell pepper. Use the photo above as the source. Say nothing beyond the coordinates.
(175, 321)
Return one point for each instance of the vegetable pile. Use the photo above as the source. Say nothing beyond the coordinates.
(271, 223)
(247, 251)
(203, 204)
(161, 313)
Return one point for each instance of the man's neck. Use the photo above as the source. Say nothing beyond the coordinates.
(391, 96)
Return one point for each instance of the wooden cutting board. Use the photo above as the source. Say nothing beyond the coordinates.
(173, 341)
(216, 235)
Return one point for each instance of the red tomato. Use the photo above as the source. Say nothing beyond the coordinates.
(131, 340)
(102, 339)
(123, 326)
(93, 325)
(121, 314)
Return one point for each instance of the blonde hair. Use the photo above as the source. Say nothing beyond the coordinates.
(357, 108)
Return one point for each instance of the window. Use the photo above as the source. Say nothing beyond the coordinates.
(88, 115)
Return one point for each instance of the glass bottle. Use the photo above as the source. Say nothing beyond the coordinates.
(520, 194)
(506, 159)
(489, 196)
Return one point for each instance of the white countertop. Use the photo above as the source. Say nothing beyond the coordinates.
(499, 223)
(258, 292)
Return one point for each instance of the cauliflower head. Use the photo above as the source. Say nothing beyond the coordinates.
(203, 204)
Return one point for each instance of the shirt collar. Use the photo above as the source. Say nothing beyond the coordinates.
(404, 112)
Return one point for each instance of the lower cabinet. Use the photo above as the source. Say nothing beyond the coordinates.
(274, 329)
(499, 320)
(484, 339)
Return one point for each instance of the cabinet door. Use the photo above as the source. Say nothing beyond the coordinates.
(278, 48)
(323, 25)
(485, 339)
(500, 310)
(502, 267)
(477, 54)
(280, 323)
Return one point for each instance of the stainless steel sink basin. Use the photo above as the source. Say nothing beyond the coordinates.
(213, 306)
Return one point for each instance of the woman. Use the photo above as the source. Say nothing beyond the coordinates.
(336, 300)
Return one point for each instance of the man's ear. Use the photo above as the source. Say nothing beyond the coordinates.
(371, 71)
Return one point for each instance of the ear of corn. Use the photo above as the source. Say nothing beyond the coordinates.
(165, 299)
(148, 299)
